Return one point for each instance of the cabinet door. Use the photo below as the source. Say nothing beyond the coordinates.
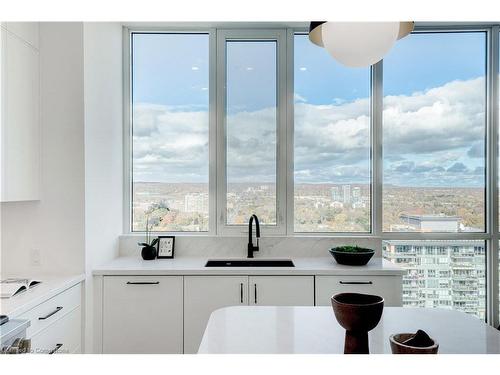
(388, 287)
(20, 129)
(142, 314)
(202, 296)
(281, 290)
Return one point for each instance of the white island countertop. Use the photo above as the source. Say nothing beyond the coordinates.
(196, 266)
(49, 287)
(312, 330)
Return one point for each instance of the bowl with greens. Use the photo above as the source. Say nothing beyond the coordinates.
(351, 255)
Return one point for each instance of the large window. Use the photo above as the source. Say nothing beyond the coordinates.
(170, 131)
(434, 131)
(251, 131)
(442, 274)
(331, 142)
(226, 123)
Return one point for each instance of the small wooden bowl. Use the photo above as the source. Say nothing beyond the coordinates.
(398, 348)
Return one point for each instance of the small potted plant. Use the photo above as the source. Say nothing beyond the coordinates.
(149, 247)
(351, 255)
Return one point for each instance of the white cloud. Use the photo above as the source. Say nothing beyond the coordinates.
(446, 117)
(430, 137)
(299, 98)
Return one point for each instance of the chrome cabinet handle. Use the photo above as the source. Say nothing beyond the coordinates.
(356, 282)
(58, 346)
(241, 292)
(255, 293)
(58, 308)
(143, 282)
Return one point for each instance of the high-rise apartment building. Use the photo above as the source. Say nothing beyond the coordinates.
(444, 274)
(346, 189)
(356, 194)
(335, 194)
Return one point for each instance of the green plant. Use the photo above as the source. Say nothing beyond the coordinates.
(351, 249)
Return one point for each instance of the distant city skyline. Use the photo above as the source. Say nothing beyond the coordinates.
(317, 207)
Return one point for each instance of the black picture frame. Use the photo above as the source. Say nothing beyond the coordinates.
(159, 256)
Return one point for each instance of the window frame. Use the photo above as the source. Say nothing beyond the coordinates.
(278, 35)
(491, 236)
(128, 126)
(488, 189)
(374, 164)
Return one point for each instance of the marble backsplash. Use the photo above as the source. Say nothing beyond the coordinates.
(212, 246)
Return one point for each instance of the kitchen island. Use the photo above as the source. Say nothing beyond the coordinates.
(314, 330)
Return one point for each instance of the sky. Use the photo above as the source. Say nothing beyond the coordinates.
(433, 111)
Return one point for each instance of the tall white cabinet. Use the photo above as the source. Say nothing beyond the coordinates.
(19, 112)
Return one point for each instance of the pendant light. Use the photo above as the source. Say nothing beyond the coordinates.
(358, 44)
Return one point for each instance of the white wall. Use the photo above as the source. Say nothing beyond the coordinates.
(103, 151)
(78, 220)
(54, 225)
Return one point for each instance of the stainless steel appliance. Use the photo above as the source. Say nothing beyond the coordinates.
(13, 337)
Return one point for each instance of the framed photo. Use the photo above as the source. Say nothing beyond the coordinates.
(166, 246)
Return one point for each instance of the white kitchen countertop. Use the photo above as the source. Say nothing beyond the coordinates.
(314, 330)
(196, 266)
(50, 286)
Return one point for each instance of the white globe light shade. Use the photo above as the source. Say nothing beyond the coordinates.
(359, 44)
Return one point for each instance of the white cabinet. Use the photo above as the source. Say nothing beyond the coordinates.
(281, 290)
(169, 314)
(62, 337)
(142, 314)
(43, 315)
(205, 294)
(389, 287)
(202, 296)
(56, 324)
(20, 107)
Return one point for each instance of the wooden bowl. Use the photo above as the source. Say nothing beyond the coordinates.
(398, 348)
(356, 311)
(357, 314)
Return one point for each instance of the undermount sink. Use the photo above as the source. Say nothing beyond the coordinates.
(249, 263)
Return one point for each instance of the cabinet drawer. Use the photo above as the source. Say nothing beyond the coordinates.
(53, 309)
(142, 314)
(62, 336)
(389, 287)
